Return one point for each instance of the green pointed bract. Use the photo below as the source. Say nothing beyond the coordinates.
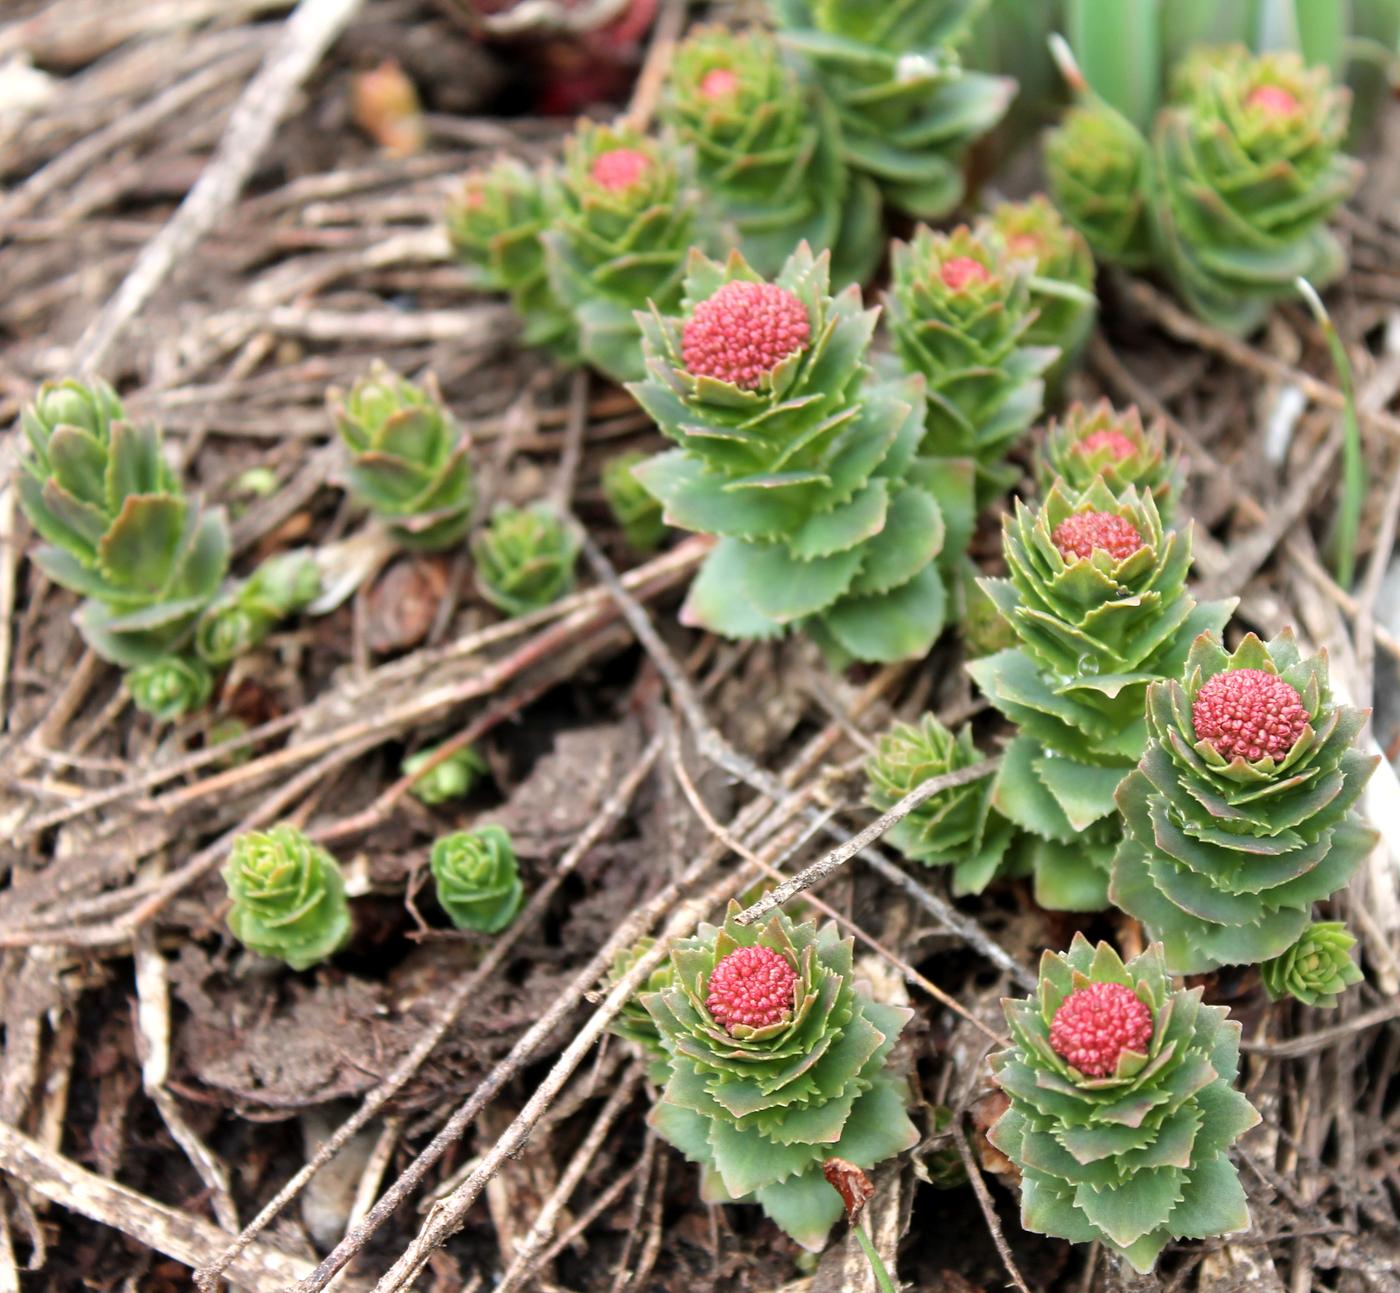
(808, 474)
(1222, 859)
(959, 311)
(955, 827)
(477, 878)
(1249, 169)
(1317, 969)
(1096, 440)
(615, 246)
(524, 559)
(494, 222)
(117, 528)
(1138, 1158)
(287, 895)
(453, 778)
(762, 1107)
(170, 687)
(633, 1022)
(1094, 631)
(408, 459)
(242, 617)
(636, 511)
(908, 109)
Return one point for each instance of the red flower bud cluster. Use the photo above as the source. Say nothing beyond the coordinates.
(1247, 714)
(1084, 533)
(751, 986)
(743, 332)
(1096, 1024)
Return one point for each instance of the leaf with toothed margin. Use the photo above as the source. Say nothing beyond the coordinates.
(717, 601)
(786, 589)
(899, 625)
(864, 517)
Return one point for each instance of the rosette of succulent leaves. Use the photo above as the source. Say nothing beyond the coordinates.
(800, 460)
(1096, 594)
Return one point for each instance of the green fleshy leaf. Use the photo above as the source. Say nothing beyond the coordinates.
(1018, 793)
(1212, 1202)
(1084, 792)
(805, 1207)
(865, 516)
(717, 601)
(785, 589)
(899, 625)
(1139, 1205)
(911, 537)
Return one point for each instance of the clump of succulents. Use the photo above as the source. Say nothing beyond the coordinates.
(1096, 594)
(1241, 814)
(1122, 1105)
(477, 878)
(287, 895)
(908, 109)
(453, 778)
(1317, 969)
(637, 512)
(242, 617)
(798, 458)
(408, 459)
(626, 211)
(956, 827)
(524, 558)
(495, 222)
(778, 1061)
(1097, 441)
(768, 153)
(117, 527)
(169, 687)
(633, 1022)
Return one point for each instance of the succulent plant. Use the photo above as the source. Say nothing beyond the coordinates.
(955, 827)
(408, 459)
(627, 210)
(494, 222)
(453, 778)
(288, 897)
(1317, 969)
(1248, 170)
(524, 558)
(477, 878)
(637, 512)
(1097, 595)
(801, 462)
(1097, 441)
(959, 312)
(1241, 813)
(778, 1061)
(768, 153)
(170, 687)
(1122, 1105)
(116, 528)
(908, 109)
(242, 617)
(633, 1022)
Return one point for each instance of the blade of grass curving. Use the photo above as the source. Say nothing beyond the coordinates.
(1188, 23)
(1348, 524)
(1117, 45)
(1321, 28)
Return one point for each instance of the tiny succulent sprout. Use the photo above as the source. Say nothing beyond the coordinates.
(1122, 1105)
(1093, 441)
(525, 558)
(408, 460)
(635, 510)
(288, 897)
(1317, 969)
(451, 778)
(242, 617)
(170, 687)
(1241, 814)
(477, 878)
(800, 460)
(777, 1060)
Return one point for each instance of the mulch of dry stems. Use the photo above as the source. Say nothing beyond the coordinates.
(638, 764)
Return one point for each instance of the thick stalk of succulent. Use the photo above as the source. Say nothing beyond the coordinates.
(117, 528)
(524, 558)
(1096, 593)
(495, 222)
(627, 215)
(1317, 969)
(287, 895)
(1096, 441)
(956, 827)
(409, 462)
(1122, 1105)
(453, 778)
(959, 313)
(170, 687)
(768, 153)
(778, 1061)
(908, 110)
(800, 461)
(636, 511)
(241, 618)
(477, 878)
(1241, 814)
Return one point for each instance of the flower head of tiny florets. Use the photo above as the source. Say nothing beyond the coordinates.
(752, 986)
(1096, 1024)
(718, 83)
(958, 271)
(1114, 441)
(1084, 533)
(619, 168)
(743, 332)
(1272, 101)
(1248, 714)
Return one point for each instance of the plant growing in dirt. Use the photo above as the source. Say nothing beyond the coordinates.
(1093, 441)
(635, 510)
(239, 619)
(448, 779)
(477, 878)
(170, 686)
(525, 558)
(1317, 969)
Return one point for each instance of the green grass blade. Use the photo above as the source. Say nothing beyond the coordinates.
(1118, 46)
(1188, 23)
(1321, 28)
